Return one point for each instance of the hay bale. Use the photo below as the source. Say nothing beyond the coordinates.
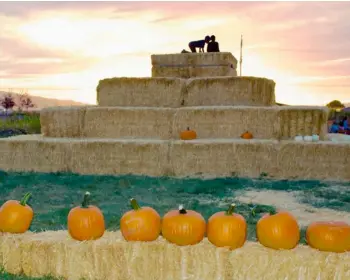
(141, 92)
(321, 160)
(186, 72)
(107, 156)
(227, 121)
(226, 91)
(62, 121)
(34, 153)
(194, 59)
(223, 157)
(303, 120)
(128, 122)
(111, 258)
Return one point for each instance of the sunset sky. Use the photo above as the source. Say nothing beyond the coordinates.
(62, 49)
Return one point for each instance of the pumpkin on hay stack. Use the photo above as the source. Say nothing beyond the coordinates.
(188, 134)
(247, 135)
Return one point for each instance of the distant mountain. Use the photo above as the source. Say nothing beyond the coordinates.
(42, 102)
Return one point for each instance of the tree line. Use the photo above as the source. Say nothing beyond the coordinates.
(23, 103)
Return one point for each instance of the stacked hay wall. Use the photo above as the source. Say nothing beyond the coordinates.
(228, 91)
(194, 65)
(111, 258)
(141, 92)
(175, 92)
(210, 157)
(227, 122)
(167, 123)
(303, 120)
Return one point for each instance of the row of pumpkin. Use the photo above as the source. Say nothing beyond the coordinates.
(186, 227)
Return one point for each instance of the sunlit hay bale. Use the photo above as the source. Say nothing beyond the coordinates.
(224, 157)
(128, 122)
(254, 261)
(140, 92)
(215, 91)
(34, 153)
(227, 121)
(111, 258)
(10, 252)
(176, 72)
(192, 72)
(303, 120)
(62, 121)
(194, 59)
(129, 156)
(320, 160)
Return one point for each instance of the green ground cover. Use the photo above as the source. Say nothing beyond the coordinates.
(29, 122)
(55, 194)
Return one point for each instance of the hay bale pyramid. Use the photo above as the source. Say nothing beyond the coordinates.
(135, 129)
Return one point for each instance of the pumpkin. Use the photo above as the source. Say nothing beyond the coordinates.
(16, 216)
(140, 223)
(329, 236)
(227, 229)
(183, 227)
(247, 135)
(278, 230)
(86, 222)
(188, 134)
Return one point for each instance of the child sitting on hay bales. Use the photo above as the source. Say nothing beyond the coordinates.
(213, 46)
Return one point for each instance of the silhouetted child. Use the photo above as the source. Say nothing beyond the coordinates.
(213, 46)
(198, 44)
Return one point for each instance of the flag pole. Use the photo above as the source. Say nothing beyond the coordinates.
(240, 61)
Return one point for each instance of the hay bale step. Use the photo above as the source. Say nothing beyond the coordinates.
(111, 258)
(196, 158)
(167, 123)
(176, 92)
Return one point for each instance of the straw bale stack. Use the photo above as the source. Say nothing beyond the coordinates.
(111, 258)
(303, 120)
(194, 59)
(141, 92)
(227, 121)
(187, 72)
(34, 153)
(224, 157)
(128, 122)
(62, 121)
(322, 160)
(227, 91)
(107, 156)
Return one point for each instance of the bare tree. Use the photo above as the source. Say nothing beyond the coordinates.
(25, 101)
(7, 102)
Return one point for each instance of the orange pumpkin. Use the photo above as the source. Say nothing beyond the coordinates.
(86, 222)
(227, 229)
(278, 231)
(16, 216)
(329, 236)
(140, 223)
(183, 227)
(188, 134)
(247, 135)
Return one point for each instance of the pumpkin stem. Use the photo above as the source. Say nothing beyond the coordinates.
(188, 128)
(134, 204)
(86, 200)
(25, 199)
(182, 210)
(231, 209)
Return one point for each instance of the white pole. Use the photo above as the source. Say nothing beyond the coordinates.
(241, 59)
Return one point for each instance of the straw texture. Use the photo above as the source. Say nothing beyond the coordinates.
(140, 92)
(303, 120)
(194, 59)
(62, 121)
(208, 157)
(193, 71)
(128, 122)
(213, 91)
(227, 122)
(111, 258)
(176, 92)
